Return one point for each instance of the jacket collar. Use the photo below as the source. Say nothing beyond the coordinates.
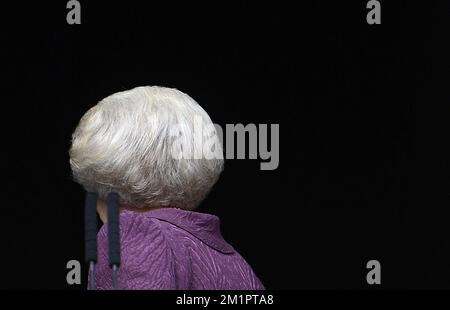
(205, 227)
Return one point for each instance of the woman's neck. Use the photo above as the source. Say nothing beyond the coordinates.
(103, 213)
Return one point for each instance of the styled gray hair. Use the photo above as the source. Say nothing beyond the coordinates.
(124, 144)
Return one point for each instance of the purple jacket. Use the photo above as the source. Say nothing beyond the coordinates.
(169, 249)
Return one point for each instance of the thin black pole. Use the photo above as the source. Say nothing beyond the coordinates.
(114, 235)
(90, 235)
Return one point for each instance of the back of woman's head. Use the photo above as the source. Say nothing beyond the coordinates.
(136, 143)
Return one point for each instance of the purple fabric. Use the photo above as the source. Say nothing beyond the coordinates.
(172, 249)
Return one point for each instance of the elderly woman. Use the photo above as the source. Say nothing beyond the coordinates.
(139, 144)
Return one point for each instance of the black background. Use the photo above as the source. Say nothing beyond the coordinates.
(363, 114)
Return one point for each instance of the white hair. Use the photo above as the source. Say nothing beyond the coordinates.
(124, 144)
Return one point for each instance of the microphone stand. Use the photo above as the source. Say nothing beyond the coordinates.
(90, 226)
(114, 235)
